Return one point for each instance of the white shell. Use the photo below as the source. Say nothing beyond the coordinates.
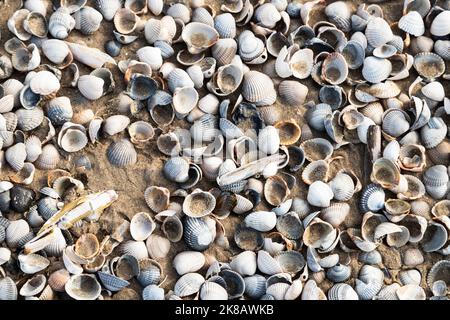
(244, 263)
(188, 261)
(262, 221)
(91, 87)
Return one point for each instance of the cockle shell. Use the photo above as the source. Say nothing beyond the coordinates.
(258, 88)
(61, 23)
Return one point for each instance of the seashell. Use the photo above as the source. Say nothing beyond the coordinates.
(411, 292)
(255, 286)
(276, 190)
(90, 86)
(353, 53)
(58, 279)
(316, 115)
(59, 110)
(136, 249)
(57, 52)
(319, 234)
(125, 21)
(26, 59)
(415, 189)
(36, 24)
(176, 169)
(376, 70)
(184, 100)
(334, 68)
(290, 226)
(16, 22)
(225, 25)
(289, 131)
(319, 194)
(157, 246)
(439, 271)
(15, 156)
(372, 198)
(395, 122)
(434, 91)
(199, 37)
(83, 287)
(439, 288)
(197, 234)
(293, 93)
(115, 124)
(108, 8)
(435, 180)
(244, 263)
(188, 284)
(15, 231)
(312, 292)
(440, 25)
(335, 214)
(378, 32)
(121, 153)
(339, 273)
(49, 158)
(385, 173)
(412, 23)
(412, 257)
(342, 291)
(72, 137)
(262, 221)
(433, 132)
(32, 263)
(150, 272)
(153, 292)
(369, 283)
(224, 50)
(343, 186)
(434, 238)
(157, 198)
(111, 282)
(91, 57)
(8, 289)
(411, 276)
(141, 226)
(317, 149)
(33, 286)
(203, 14)
(301, 63)
(61, 23)
(267, 15)
(371, 257)
(199, 204)
(188, 262)
(248, 238)
(140, 132)
(25, 175)
(429, 65)
(258, 88)
(442, 48)
(213, 291)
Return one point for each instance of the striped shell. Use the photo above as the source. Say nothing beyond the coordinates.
(121, 153)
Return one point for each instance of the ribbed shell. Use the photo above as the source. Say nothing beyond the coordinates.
(153, 292)
(59, 110)
(149, 274)
(88, 20)
(441, 24)
(188, 284)
(49, 158)
(342, 291)
(225, 25)
(412, 23)
(47, 207)
(108, 8)
(197, 234)
(292, 93)
(372, 198)
(433, 132)
(378, 32)
(376, 69)
(339, 13)
(213, 291)
(28, 120)
(8, 289)
(258, 88)
(121, 153)
(224, 51)
(111, 282)
(255, 286)
(61, 23)
(15, 156)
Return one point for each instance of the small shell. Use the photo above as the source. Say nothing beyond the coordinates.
(184, 100)
(378, 32)
(411, 292)
(268, 140)
(108, 8)
(188, 284)
(58, 279)
(258, 88)
(176, 169)
(412, 257)
(301, 63)
(32, 263)
(199, 36)
(317, 149)
(293, 93)
(412, 23)
(429, 65)
(72, 137)
(8, 289)
(49, 158)
(199, 204)
(372, 198)
(267, 15)
(335, 214)
(26, 58)
(150, 272)
(36, 24)
(83, 287)
(197, 234)
(157, 198)
(433, 132)
(342, 291)
(225, 25)
(376, 70)
(339, 273)
(87, 20)
(395, 122)
(319, 194)
(319, 234)
(115, 124)
(188, 261)
(334, 69)
(289, 131)
(91, 87)
(244, 263)
(386, 173)
(59, 110)
(354, 54)
(157, 246)
(125, 21)
(61, 23)
(262, 221)
(153, 292)
(434, 238)
(15, 232)
(121, 153)
(141, 226)
(440, 25)
(15, 156)
(435, 180)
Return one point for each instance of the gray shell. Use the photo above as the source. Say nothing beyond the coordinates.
(197, 234)
(121, 153)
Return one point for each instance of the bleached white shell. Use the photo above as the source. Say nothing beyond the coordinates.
(91, 87)
(188, 261)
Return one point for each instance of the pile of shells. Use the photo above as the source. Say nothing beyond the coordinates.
(255, 164)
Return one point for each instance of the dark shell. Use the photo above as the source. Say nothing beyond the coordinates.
(21, 198)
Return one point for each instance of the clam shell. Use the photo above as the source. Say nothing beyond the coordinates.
(15, 156)
(316, 115)
(199, 37)
(32, 263)
(301, 63)
(292, 92)
(87, 20)
(28, 120)
(317, 149)
(197, 234)
(440, 25)
(342, 291)
(188, 284)
(83, 287)
(378, 32)
(153, 292)
(141, 226)
(108, 8)
(255, 286)
(49, 158)
(434, 238)
(435, 180)
(58, 279)
(412, 257)
(339, 273)
(150, 272)
(319, 194)
(354, 54)
(258, 88)
(91, 57)
(411, 292)
(225, 25)
(412, 23)
(262, 221)
(121, 153)
(157, 198)
(335, 214)
(91, 87)
(115, 124)
(188, 262)
(372, 198)
(157, 246)
(244, 263)
(429, 65)
(433, 132)
(8, 289)
(376, 70)
(59, 110)
(334, 69)
(176, 169)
